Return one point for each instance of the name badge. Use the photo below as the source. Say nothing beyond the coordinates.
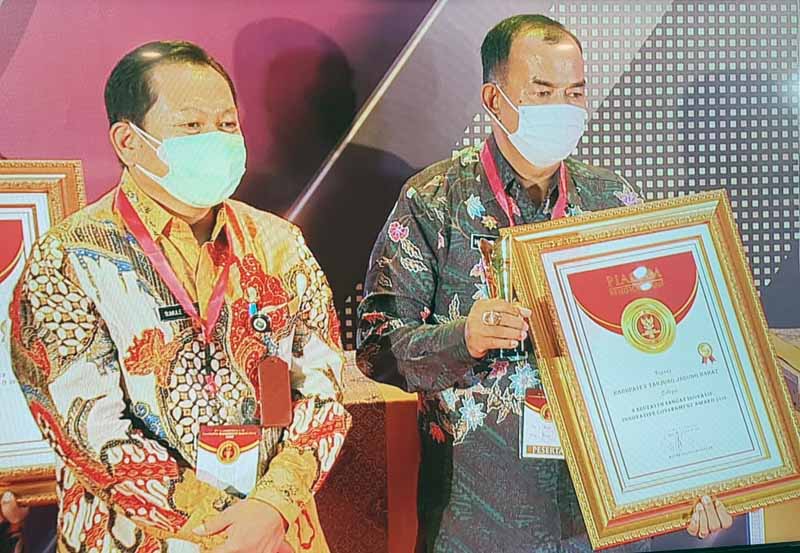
(474, 240)
(276, 393)
(227, 456)
(538, 437)
(174, 313)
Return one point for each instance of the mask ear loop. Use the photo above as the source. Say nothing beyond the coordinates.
(493, 116)
(144, 135)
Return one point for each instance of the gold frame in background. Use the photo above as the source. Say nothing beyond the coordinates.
(609, 524)
(61, 185)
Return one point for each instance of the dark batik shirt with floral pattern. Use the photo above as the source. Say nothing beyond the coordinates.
(476, 495)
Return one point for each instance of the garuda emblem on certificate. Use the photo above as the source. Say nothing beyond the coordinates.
(642, 301)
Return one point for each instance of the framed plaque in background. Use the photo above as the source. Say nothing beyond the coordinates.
(657, 364)
(34, 195)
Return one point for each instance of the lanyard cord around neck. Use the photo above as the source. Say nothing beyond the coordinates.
(168, 276)
(502, 197)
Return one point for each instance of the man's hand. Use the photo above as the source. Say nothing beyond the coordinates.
(11, 512)
(708, 518)
(15, 515)
(495, 324)
(250, 527)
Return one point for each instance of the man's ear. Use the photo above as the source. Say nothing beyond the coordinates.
(125, 142)
(490, 98)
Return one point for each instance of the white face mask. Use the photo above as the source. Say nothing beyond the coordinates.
(204, 169)
(547, 133)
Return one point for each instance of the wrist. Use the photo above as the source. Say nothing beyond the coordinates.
(473, 353)
(461, 349)
(274, 510)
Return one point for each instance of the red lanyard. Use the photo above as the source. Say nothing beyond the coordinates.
(496, 184)
(159, 261)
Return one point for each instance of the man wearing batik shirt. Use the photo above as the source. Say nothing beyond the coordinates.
(427, 326)
(166, 310)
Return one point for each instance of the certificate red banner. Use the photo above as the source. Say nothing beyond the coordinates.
(642, 300)
(11, 247)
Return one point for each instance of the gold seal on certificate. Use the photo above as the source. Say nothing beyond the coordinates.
(656, 364)
(648, 325)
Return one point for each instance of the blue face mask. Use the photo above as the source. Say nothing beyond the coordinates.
(204, 169)
(546, 133)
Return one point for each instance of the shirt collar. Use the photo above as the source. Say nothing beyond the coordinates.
(221, 223)
(157, 220)
(508, 175)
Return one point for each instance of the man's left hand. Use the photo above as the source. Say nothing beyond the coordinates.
(249, 526)
(709, 516)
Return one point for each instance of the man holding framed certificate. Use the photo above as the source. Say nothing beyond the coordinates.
(431, 322)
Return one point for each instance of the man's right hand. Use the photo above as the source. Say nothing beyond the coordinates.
(495, 324)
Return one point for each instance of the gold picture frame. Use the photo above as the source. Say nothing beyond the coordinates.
(615, 502)
(34, 196)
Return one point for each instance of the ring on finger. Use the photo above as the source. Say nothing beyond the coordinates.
(491, 318)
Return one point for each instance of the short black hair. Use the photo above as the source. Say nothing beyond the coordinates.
(128, 93)
(496, 45)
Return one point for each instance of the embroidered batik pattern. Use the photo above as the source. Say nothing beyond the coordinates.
(120, 391)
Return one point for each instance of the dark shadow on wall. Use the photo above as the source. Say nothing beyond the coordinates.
(298, 99)
(345, 215)
(296, 93)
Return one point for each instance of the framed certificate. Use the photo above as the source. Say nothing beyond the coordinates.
(657, 364)
(34, 195)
